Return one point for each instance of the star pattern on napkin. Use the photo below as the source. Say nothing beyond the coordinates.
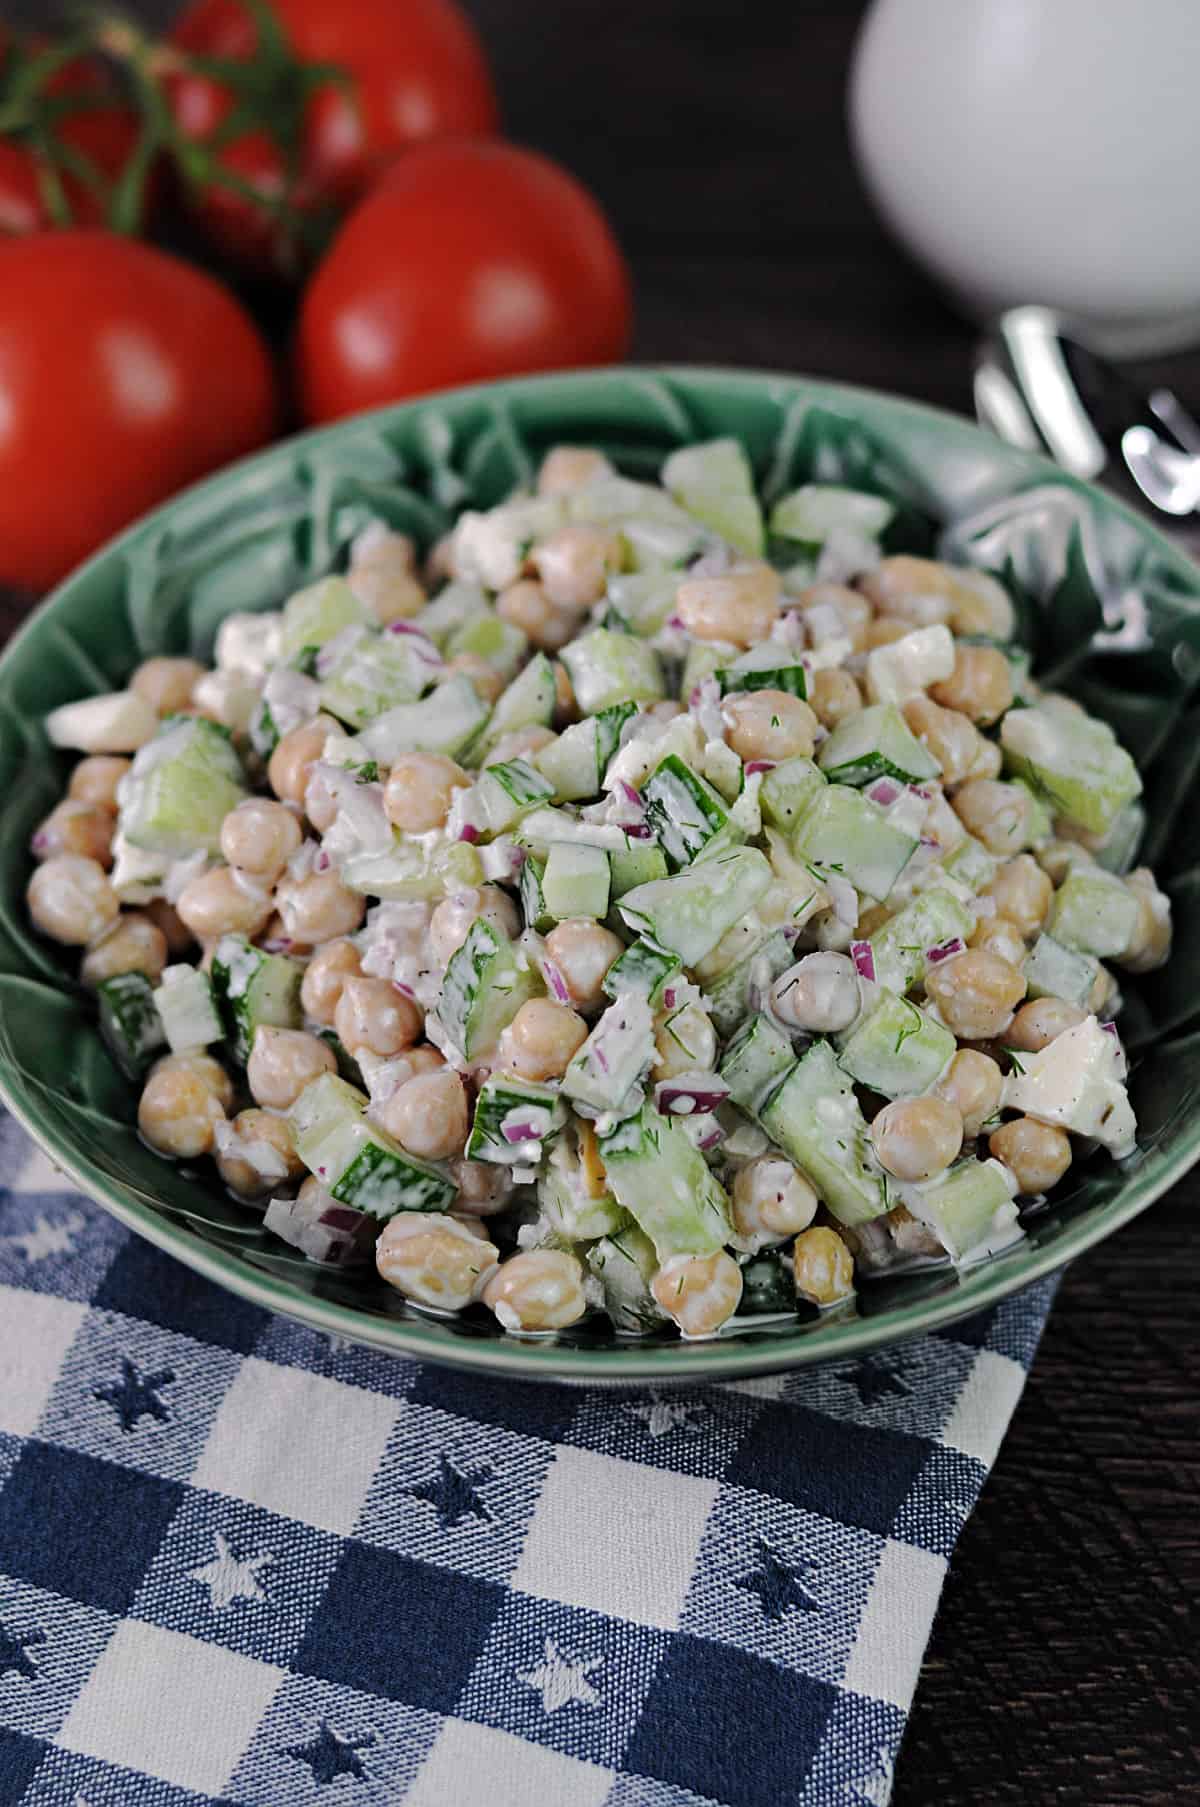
(330, 1756)
(780, 1585)
(562, 1680)
(46, 1238)
(229, 1577)
(136, 1395)
(454, 1493)
(875, 1378)
(14, 1652)
(660, 1416)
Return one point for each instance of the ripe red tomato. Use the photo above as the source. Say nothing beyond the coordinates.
(124, 374)
(416, 70)
(105, 134)
(470, 259)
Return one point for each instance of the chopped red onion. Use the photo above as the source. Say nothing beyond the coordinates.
(863, 956)
(629, 793)
(884, 791)
(276, 944)
(601, 1059)
(928, 840)
(759, 765)
(637, 831)
(522, 1131)
(668, 998)
(689, 1092)
(468, 833)
(711, 1138)
(945, 950)
(333, 1234)
(555, 982)
(322, 862)
(1111, 1029)
(40, 842)
(406, 991)
(673, 621)
(922, 791)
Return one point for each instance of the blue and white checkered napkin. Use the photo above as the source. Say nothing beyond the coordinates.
(241, 1562)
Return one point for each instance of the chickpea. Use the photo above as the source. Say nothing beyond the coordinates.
(1041, 1021)
(521, 743)
(699, 1292)
(684, 1042)
(451, 921)
(260, 836)
(972, 1083)
(223, 902)
(483, 1187)
(1022, 892)
(542, 1038)
(487, 680)
(574, 564)
(583, 952)
(1150, 943)
(919, 610)
(282, 1062)
(290, 764)
(997, 935)
(823, 1266)
(954, 741)
(324, 977)
(771, 1200)
(179, 937)
(980, 686)
(428, 1114)
(268, 1139)
(526, 605)
(178, 1113)
(996, 813)
(568, 467)
(319, 908)
(439, 560)
(834, 696)
(915, 1138)
(372, 1014)
(134, 944)
(737, 607)
(419, 791)
(382, 574)
(768, 724)
(85, 829)
(833, 611)
(539, 1289)
(976, 993)
(166, 684)
(433, 1259)
(71, 900)
(820, 993)
(1036, 1153)
(204, 1068)
(885, 629)
(96, 778)
(978, 604)
(1103, 999)
(424, 1058)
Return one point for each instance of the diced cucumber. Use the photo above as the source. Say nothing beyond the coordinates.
(730, 995)
(689, 913)
(313, 616)
(533, 904)
(532, 1115)
(704, 659)
(658, 549)
(506, 792)
(129, 1023)
(180, 788)
(1039, 823)
(969, 1205)
(1076, 1084)
(614, 500)
(570, 763)
(683, 809)
(896, 1049)
(810, 514)
(378, 672)
(642, 968)
(454, 605)
(485, 984)
(575, 882)
(787, 790)
(1117, 851)
(491, 548)
(766, 667)
(544, 828)
(900, 945)
(607, 668)
(646, 596)
(714, 482)
(768, 1285)
(666, 1185)
(137, 876)
(625, 1263)
(614, 1056)
(348, 1068)
(446, 721)
(845, 832)
(414, 868)
(754, 1063)
(610, 723)
(572, 1206)
(1054, 971)
(970, 864)
(498, 643)
(360, 1164)
(254, 989)
(637, 863)
(1093, 912)
(876, 743)
(187, 1009)
(528, 702)
(814, 1117)
(1073, 762)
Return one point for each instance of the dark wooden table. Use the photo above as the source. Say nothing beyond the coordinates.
(1065, 1664)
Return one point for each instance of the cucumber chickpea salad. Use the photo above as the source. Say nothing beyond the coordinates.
(609, 919)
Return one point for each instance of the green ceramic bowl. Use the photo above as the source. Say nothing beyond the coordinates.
(1112, 609)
